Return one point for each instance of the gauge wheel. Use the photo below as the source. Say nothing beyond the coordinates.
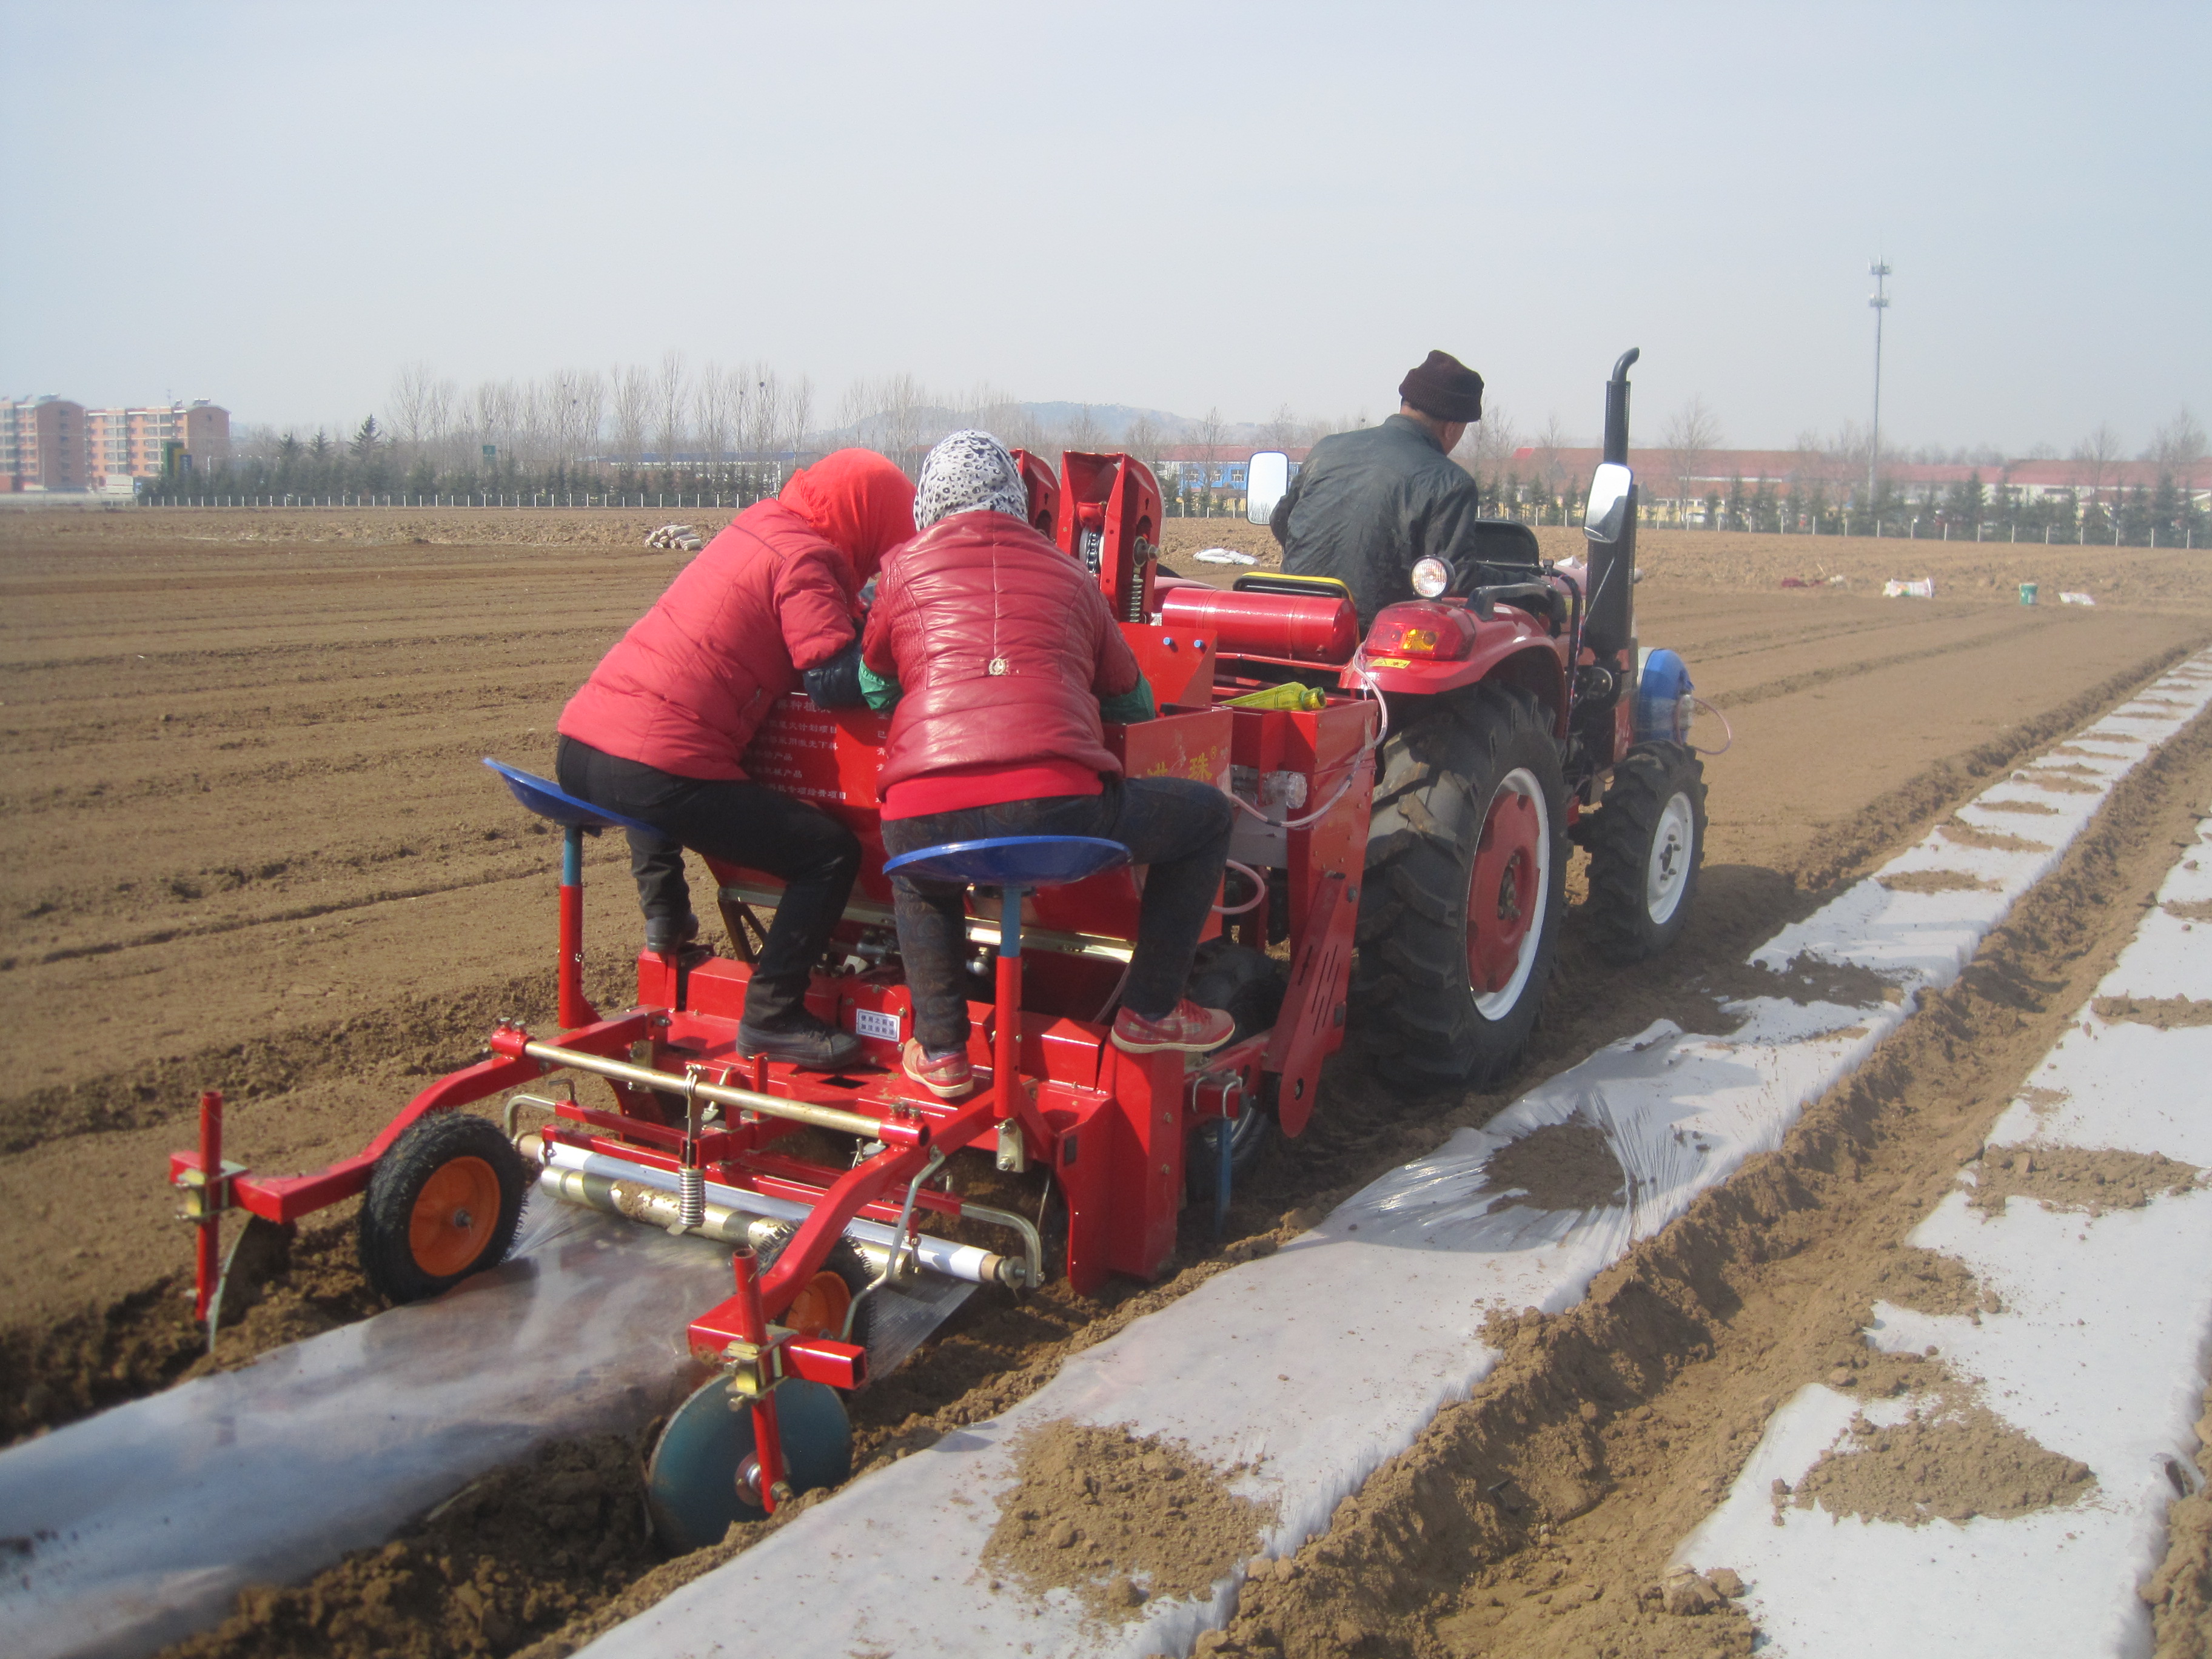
(443, 1203)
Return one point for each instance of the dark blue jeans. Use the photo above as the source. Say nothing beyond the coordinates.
(739, 823)
(1177, 827)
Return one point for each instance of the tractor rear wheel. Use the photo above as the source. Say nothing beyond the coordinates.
(1647, 843)
(1459, 910)
(443, 1202)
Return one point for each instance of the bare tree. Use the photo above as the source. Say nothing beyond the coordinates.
(1143, 440)
(714, 395)
(1549, 459)
(2095, 458)
(1085, 435)
(671, 391)
(633, 403)
(1686, 441)
(1208, 431)
(494, 415)
(798, 414)
(412, 394)
(581, 395)
(1488, 449)
(2179, 446)
(1281, 428)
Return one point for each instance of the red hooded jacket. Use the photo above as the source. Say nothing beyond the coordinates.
(1002, 646)
(776, 593)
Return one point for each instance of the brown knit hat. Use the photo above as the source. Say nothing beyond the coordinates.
(1443, 388)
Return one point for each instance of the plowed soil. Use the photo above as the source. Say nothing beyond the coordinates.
(248, 845)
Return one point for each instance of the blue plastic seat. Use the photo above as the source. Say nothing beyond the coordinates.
(548, 800)
(1026, 862)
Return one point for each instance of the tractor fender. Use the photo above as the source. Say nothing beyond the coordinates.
(1514, 649)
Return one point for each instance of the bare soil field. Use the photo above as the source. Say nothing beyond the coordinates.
(248, 845)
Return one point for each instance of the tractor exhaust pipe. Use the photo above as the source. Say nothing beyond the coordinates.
(1612, 624)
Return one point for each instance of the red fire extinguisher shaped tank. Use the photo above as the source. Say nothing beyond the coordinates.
(1318, 627)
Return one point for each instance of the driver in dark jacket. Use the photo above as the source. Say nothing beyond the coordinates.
(1367, 504)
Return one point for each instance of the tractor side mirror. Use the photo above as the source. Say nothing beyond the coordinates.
(1266, 481)
(1608, 503)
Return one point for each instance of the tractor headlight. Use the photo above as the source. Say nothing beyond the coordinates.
(1430, 578)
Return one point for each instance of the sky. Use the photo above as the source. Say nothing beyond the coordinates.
(1181, 207)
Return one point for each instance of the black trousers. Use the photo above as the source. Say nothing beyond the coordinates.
(815, 856)
(1178, 828)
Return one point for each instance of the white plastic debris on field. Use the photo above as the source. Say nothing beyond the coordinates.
(2077, 599)
(1223, 556)
(1925, 588)
(2096, 1350)
(143, 1522)
(1321, 1361)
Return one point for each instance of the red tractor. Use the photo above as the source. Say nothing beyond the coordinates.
(1510, 695)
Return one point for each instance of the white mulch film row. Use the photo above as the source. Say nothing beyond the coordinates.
(2098, 1353)
(1323, 1360)
(147, 1519)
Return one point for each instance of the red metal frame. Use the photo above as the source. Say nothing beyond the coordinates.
(1109, 1128)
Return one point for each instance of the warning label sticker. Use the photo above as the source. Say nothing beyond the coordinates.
(867, 1023)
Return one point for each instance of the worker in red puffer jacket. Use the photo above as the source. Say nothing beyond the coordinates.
(1004, 651)
(660, 730)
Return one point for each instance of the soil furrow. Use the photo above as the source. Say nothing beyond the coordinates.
(1793, 682)
(1537, 1516)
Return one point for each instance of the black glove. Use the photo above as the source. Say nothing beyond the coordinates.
(836, 684)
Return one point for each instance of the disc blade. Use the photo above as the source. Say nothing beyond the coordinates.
(692, 1482)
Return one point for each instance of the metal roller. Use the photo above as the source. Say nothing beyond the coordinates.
(641, 1193)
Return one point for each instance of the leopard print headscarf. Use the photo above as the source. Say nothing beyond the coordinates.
(969, 472)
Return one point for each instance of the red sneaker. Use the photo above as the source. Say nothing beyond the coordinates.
(1187, 1027)
(950, 1078)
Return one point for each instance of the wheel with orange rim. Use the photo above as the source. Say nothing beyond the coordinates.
(442, 1203)
(831, 1297)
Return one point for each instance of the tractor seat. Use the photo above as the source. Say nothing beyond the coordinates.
(1020, 863)
(548, 800)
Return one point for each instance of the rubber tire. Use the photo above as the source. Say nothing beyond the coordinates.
(1250, 985)
(1621, 840)
(387, 1259)
(1416, 1005)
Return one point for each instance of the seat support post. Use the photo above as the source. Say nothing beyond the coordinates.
(1006, 1034)
(575, 1011)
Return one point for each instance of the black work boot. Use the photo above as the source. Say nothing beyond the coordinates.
(667, 934)
(803, 1040)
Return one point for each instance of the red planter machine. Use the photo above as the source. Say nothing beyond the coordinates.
(700, 1132)
(1512, 704)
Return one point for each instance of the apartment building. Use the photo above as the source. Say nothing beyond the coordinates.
(52, 443)
(42, 444)
(134, 442)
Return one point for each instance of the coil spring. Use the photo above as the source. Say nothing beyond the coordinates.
(691, 1197)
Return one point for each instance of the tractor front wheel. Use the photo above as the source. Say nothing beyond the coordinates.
(1459, 911)
(1647, 843)
(442, 1203)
